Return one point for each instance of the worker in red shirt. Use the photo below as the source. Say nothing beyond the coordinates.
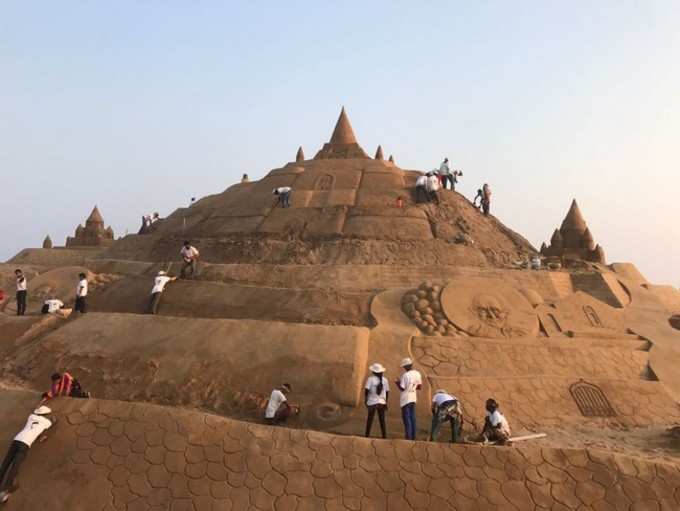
(64, 385)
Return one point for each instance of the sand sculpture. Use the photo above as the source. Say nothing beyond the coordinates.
(312, 295)
(93, 234)
(573, 239)
(47, 242)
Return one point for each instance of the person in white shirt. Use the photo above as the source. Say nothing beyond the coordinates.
(282, 196)
(56, 307)
(409, 383)
(22, 292)
(432, 187)
(421, 189)
(38, 422)
(486, 199)
(159, 283)
(496, 427)
(189, 257)
(278, 408)
(445, 173)
(376, 392)
(81, 294)
(446, 407)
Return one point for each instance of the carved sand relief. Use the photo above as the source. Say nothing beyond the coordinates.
(488, 308)
(591, 400)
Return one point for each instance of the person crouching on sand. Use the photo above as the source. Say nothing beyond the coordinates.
(376, 392)
(278, 408)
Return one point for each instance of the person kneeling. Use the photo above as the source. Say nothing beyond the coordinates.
(56, 307)
(64, 385)
(278, 409)
(496, 427)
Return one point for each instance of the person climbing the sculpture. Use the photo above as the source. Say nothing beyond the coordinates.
(283, 196)
(409, 384)
(22, 292)
(37, 423)
(159, 283)
(421, 189)
(432, 186)
(444, 173)
(81, 294)
(64, 385)
(278, 408)
(446, 407)
(496, 427)
(454, 179)
(376, 392)
(190, 256)
(479, 196)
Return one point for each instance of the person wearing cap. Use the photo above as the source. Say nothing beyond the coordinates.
(159, 283)
(376, 391)
(496, 427)
(409, 384)
(189, 257)
(22, 292)
(37, 423)
(282, 196)
(81, 294)
(278, 408)
(446, 407)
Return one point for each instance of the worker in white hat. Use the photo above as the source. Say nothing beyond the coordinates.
(375, 397)
(446, 407)
(409, 383)
(159, 283)
(38, 422)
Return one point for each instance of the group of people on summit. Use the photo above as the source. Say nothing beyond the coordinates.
(426, 188)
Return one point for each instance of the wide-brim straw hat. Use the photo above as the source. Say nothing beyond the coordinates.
(377, 368)
(160, 273)
(406, 362)
(42, 410)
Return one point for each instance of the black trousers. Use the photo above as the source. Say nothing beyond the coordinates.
(153, 303)
(445, 178)
(81, 304)
(21, 302)
(187, 265)
(381, 418)
(10, 466)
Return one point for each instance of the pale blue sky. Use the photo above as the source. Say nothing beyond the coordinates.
(137, 106)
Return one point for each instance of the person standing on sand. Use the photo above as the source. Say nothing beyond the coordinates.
(421, 189)
(81, 294)
(158, 286)
(283, 196)
(410, 382)
(432, 187)
(189, 257)
(376, 392)
(486, 199)
(278, 409)
(38, 422)
(22, 292)
(445, 173)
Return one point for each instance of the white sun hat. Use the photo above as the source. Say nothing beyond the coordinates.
(42, 410)
(161, 272)
(406, 362)
(377, 368)
(440, 391)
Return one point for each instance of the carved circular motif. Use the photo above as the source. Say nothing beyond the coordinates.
(488, 308)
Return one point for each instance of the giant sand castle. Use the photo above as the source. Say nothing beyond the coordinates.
(584, 351)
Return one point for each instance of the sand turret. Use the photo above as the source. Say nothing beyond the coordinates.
(343, 142)
(379, 153)
(94, 233)
(391, 160)
(300, 156)
(573, 240)
(47, 242)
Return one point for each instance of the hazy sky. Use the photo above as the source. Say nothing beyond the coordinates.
(138, 106)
